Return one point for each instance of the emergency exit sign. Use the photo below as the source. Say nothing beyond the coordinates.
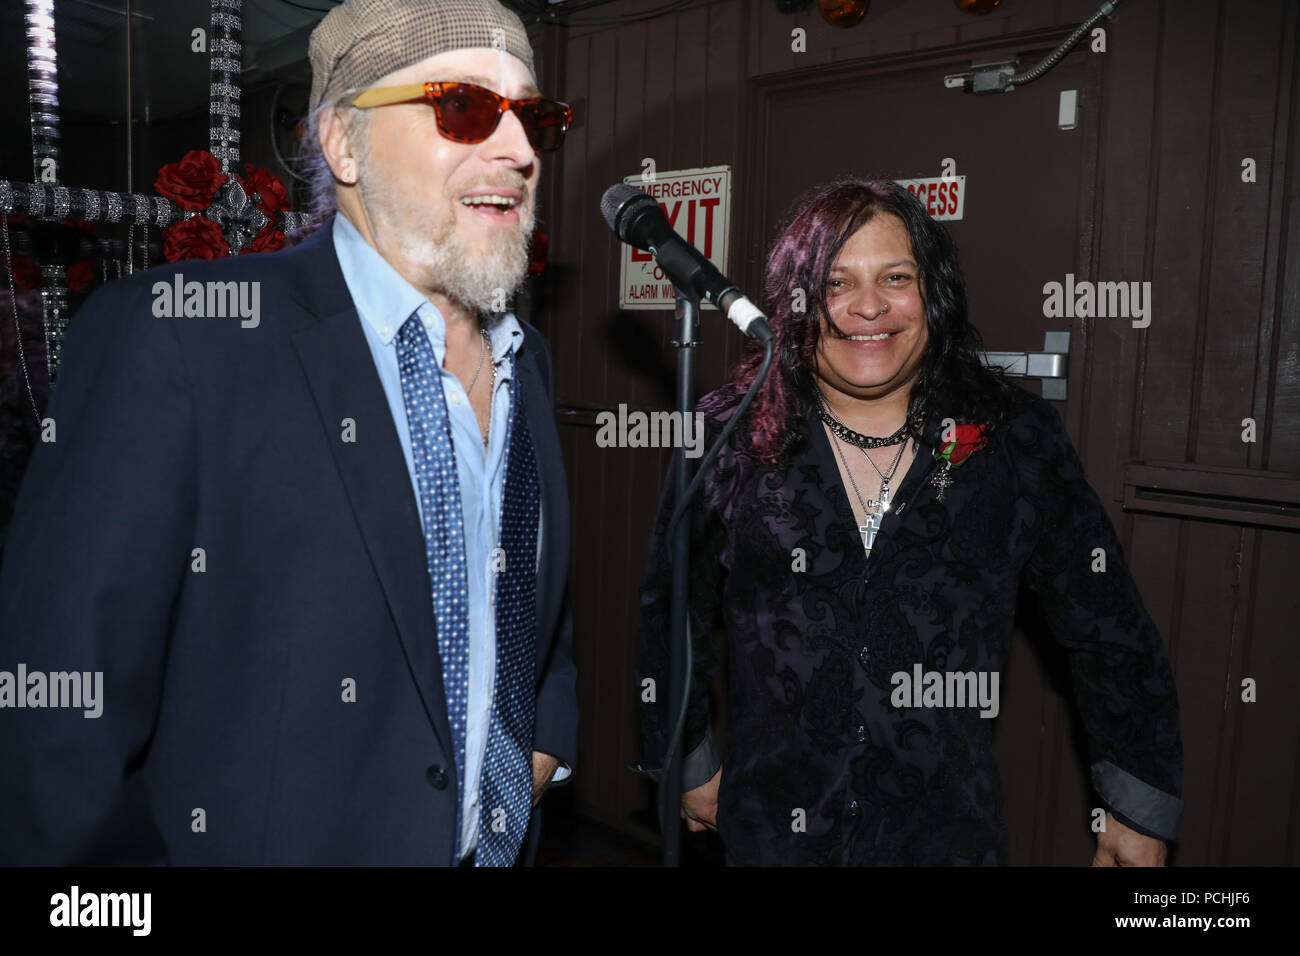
(697, 203)
(943, 197)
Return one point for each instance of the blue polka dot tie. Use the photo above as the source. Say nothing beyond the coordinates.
(444, 529)
(506, 787)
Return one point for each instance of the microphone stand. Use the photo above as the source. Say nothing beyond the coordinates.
(670, 794)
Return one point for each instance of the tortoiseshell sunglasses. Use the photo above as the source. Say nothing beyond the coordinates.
(470, 114)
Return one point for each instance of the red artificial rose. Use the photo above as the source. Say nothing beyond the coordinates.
(268, 188)
(80, 275)
(268, 240)
(196, 238)
(968, 439)
(27, 274)
(191, 182)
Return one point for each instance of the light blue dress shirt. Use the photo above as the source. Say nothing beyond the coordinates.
(385, 300)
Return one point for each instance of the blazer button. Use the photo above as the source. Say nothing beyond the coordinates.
(854, 809)
(438, 777)
(864, 655)
(862, 734)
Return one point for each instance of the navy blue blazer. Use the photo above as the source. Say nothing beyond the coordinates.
(225, 737)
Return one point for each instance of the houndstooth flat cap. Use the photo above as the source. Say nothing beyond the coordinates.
(362, 40)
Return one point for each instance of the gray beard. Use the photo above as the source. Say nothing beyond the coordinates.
(482, 282)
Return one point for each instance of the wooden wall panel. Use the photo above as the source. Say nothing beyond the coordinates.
(1245, 102)
(1180, 187)
(1207, 604)
(1259, 810)
(1129, 110)
(1277, 389)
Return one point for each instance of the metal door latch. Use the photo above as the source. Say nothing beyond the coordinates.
(1049, 365)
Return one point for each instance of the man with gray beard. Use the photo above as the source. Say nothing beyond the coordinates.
(320, 559)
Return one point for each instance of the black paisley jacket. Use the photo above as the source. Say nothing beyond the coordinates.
(824, 763)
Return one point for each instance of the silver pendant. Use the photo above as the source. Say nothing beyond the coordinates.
(942, 480)
(868, 531)
(871, 526)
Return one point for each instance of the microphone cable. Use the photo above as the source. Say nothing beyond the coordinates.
(682, 506)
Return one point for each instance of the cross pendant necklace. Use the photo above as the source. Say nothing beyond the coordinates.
(871, 525)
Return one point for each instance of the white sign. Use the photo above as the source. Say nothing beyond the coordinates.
(697, 203)
(943, 197)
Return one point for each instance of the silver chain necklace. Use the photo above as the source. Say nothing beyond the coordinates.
(873, 509)
(484, 342)
(482, 351)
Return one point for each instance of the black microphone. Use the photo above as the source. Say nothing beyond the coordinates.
(638, 220)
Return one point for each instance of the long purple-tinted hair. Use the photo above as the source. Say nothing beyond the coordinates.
(952, 376)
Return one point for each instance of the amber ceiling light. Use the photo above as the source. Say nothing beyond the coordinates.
(843, 13)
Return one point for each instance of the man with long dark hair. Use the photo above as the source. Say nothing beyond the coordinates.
(861, 542)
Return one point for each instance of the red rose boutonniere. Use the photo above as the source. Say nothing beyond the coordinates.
(967, 439)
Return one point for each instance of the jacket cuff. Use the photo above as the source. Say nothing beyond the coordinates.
(701, 763)
(1136, 803)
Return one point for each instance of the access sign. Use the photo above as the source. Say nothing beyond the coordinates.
(943, 197)
(698, 204)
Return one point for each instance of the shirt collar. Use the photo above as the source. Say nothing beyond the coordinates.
(385, 300)
(506, 335)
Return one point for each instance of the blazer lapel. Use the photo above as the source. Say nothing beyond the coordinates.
(336, 361)
(550, 479)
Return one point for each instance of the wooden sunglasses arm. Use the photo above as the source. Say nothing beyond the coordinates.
(387, 95)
